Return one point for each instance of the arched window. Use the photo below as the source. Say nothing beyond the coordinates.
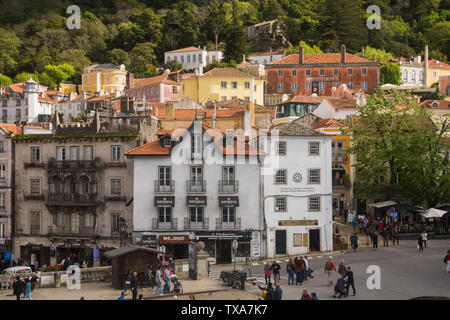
(421, 76)
(413, 75)
(188, 59)
(194, 58)
(405, 75)
(182, 59)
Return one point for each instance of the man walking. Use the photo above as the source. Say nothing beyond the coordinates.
(354, 241)
(375, 240)
(267, 272)
(127, 281)
(277, 293)
(276, 271)
(290, 272)
(158, 281)
(166, 280)
(298, 272)
(350, 280)
(134, 285)
(18, 287)
(395, 235)
(329, 267)
(303, 264)
(424, 238)
(385, 237)
(420, 243)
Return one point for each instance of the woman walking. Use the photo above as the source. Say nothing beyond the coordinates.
(28, 290)
(290, 271)
(420, 243)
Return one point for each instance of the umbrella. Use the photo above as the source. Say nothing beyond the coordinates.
(433, 213)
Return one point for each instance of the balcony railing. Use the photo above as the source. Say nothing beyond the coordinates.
(33, 196)
(228, 186)
(71, 165)
(339, 157)
(221, 225)
(2, 181)
(189, 225)
(68, 231)
(164, 186)
(157, 225)
(195, 186)
(72, 199)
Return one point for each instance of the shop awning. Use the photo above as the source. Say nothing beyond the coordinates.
(383, 204)
(433, 213)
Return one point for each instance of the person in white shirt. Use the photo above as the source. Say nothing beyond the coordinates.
(308, 270)
(424, 238)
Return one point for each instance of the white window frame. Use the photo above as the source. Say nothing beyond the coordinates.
(314, 203)
(278, 176)
(116, 153)
(310, 147)
(279, 203)
(310, 176)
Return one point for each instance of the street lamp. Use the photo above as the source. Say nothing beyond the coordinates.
(123, 232)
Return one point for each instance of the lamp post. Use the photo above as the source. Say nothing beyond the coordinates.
(123, 232)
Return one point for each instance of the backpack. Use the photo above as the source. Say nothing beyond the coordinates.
(328, 266)
(264, 294)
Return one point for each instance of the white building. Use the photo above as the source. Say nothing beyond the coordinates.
(193, 57)
(337, 108)
(265, 58)
(188, 186)
(74, 106)
(412, 71)
(25, 102)
(298, 191)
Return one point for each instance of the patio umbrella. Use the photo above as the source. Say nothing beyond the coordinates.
(433, 213)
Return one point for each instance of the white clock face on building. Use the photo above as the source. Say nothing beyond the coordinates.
(297, 177)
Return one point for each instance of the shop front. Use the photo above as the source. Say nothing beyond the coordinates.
(176, 246)
(219, 246)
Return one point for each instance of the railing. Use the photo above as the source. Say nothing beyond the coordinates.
(172, 225)
(195, 186)
(2, 181)
(339, 157)
(204, 225)
(116, 198)
(34, 196)
(228, 186)
(72, 198)
(67, 230)
(73, 165)
(221, 225)
(164, 186)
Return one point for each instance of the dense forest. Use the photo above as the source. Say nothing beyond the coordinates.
(34, 36)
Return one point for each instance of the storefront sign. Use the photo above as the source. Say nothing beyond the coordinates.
(287, 223)
(219, 235)
(149, 241)
(196, 201)
(228, 202)
(256, 244)
(168, 201)
(173, 239)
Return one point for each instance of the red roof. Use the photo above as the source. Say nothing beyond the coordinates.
(322, 58)
(152, 148)
(227, 73)
(442, 104)
(188, 49)
(157, 79)
(328, 123)
(12, 128)
(189, 114)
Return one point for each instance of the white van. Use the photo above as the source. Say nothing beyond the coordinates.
(17, 270)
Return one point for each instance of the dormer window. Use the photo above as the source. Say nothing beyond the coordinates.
(435, 105)
(166, 143)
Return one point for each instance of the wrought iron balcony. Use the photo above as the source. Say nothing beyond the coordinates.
(228, 186)
(157, 225)
(164, 186)
(189, 225)
(195, 186)
(73, 165)
(67, 230)
(221, 225)
(72, 199)
(339, 157)
(33, 196)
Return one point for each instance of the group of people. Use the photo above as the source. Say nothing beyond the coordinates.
(270, 293)
(24, 286)
(342, 285)
(300, 268)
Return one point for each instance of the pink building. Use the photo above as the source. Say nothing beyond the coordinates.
(162, 88)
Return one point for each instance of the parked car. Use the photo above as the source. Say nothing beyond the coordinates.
(17, 270)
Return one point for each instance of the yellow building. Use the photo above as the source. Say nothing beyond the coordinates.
(105, 77)
(68, 88)
(220, 84)
(436, 69)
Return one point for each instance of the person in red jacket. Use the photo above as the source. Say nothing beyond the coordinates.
(329, 267)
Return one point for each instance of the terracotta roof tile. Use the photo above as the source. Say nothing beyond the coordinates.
(328, 123)
(12, 128)
(267, 53)
(157, 79)
(322, 58)
(152, 148)
(442, 104)
(338, 104)
(226, 73)
(188, 49)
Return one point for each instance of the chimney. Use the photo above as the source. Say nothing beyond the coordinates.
(362, 52)
(251, 106)
(170, 111)
(425, 76)
(130, 80)
(97, 121)
(300, 55)
(214, 114)
(200, 70)
(343, 55)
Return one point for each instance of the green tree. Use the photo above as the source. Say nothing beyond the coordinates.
(401, 152)
(382, 56)
(219, 64)
(9, 52)
(236, 44)
(173, 65)
(59, 73)
(47, 81)
(119, 56)
(5, 80)
(307, 49)
(25, 76)
(217, 20)
(390, 73)
(181, 26)
(143, 60)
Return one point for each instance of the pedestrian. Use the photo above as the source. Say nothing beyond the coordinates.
(329, 267)
(314, 296)
(395, 235)
(303, 264)
(375, 240)
(309, 271)
(350, 280)
(340, 288)
(337, 229)
(354, 224)
(267, 272)
(276, 271)
(267, 291)
(166, 277)
(290, 271)
(18, 287)
(447, 261)
(27, 290)
(127, 281)
(66, 263)
(158, 281)
(298, 272)
(385, 237)
(342, 270)
(420, 243)
(354, 241)
(424, 238)
(141, 297)
(305, 295)
(122, 296)
(134, 285)
(149, 277)
(278, 292)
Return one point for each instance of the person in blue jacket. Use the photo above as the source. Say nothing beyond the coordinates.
(28, 290)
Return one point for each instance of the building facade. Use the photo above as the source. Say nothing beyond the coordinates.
(306, 74)
(193, 57)
(444, 85)
(265, 58)
(181, 194)
(160, 88)
(106, 77)
(297, 191)
(71, 193)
